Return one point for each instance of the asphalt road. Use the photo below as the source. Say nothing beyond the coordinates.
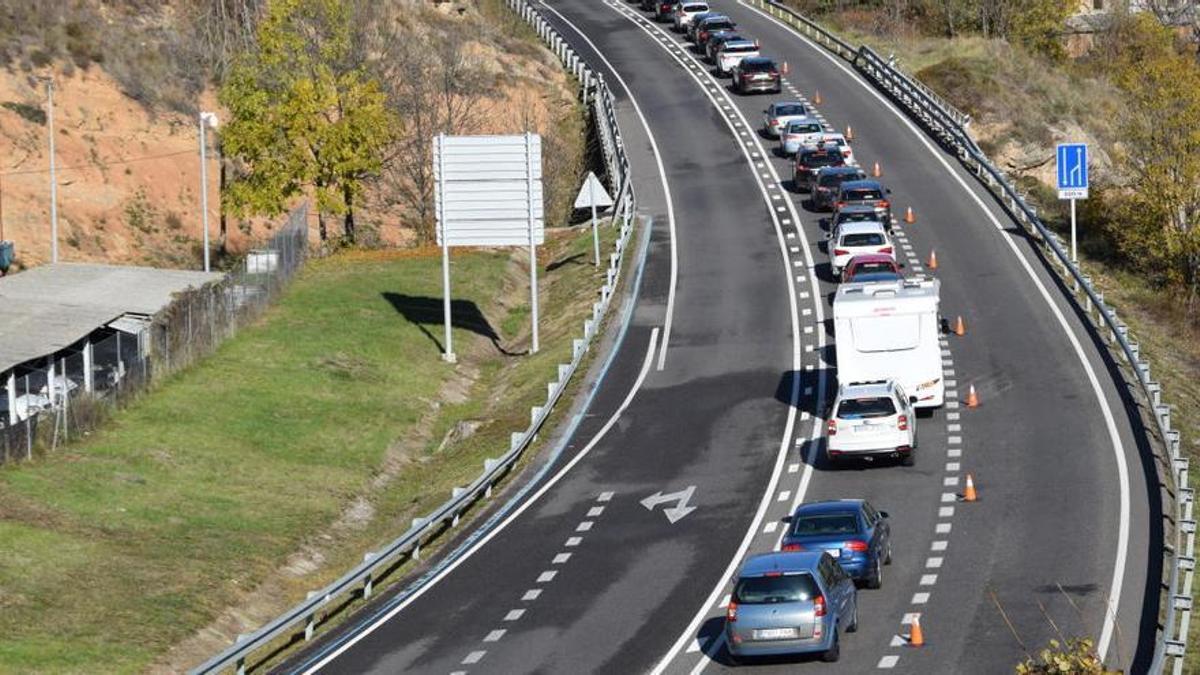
(582, 577)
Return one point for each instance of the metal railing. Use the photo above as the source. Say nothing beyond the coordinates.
(950, 126)
(306, 616)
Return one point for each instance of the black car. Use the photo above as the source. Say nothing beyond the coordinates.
(809, 161)
(757, 74)
(828, 182)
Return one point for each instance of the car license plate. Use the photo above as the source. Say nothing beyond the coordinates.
(847, 553)
(776, 634)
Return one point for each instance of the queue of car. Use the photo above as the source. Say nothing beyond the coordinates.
(801, 598)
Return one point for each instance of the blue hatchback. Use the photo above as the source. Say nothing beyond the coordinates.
(853, 532)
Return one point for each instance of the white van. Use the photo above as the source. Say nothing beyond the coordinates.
(889, 330)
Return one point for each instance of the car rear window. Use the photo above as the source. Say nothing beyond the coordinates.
(826, 523)
(867, 267)
(837, 178)
(876, 276)
(804, 128)
(794, 109)
(862, 239)
(769, 590)
(740, 49)
(717, 25)
(863, 195)
(696, 8)
(821, 159)
(866, 408)
(856, 217)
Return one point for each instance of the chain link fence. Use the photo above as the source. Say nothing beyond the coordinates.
(73, 392)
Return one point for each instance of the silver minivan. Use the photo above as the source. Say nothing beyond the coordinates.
(790, 603)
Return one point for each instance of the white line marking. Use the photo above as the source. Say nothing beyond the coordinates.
(474, 657)
(942, 528)
(945, 512)
(954, 452)
(495, 635)
(920, 598)
(939, 545)
(933, 563)
(584, 526)
(898, 641)
(928, 579)
(948, 496)
(573, 541)
(953, 466)
(637, 385)
(595, 511)
(605, 497)
(547, 576)
(909, 617)
(1118, 577)
(515, 614)
(888, 661)
(560, 558)
(531, 594)
(950, 481)
(784, 496)
(771, 526)
(953, 416)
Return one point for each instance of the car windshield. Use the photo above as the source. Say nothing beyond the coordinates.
(804, 128)
(866, 408)
(863, 195)
(769, 590)
(836, 178)
(792, 109)
(827, 523)
(821, 159)
(862, 239)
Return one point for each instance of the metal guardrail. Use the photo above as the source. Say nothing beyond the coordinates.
(305, 616)
(950, 126)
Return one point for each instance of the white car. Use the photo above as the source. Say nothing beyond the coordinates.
(843, 147)
(857, 238)
(799, 133)
(778, 114)
(869, 420)
(684, 12)
(731, 54)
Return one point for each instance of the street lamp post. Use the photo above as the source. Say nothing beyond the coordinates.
(207, 119)
(53, 180)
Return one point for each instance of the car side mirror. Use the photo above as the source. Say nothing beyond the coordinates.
(901, 265)
(889, 191)
(912, 399)
(786, 519)
(884, 514)
(829, 235)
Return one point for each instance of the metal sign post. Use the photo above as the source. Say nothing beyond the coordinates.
(1072, 173)
(488, 192)
(593, 195)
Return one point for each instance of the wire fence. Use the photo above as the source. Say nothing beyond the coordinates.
(72, 392)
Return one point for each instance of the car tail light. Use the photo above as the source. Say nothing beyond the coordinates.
(819, 606)
(886, 249)
(793, 547)
(840, 251)
(856, 545)
(883, 204)
(840, 204)
(902, 423)
(846, 153)
(731, 612)
(831, 426)
(774, 73)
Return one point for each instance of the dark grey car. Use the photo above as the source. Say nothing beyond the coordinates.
(790, 603)
(828, 181)
(866, 193)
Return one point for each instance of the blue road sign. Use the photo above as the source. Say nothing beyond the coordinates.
(1072, 171)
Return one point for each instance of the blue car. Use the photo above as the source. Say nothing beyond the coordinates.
(855, 533)
(790, 603)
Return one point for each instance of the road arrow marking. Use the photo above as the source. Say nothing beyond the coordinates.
(677, 512)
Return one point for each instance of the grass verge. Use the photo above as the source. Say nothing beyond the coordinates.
(245, 469)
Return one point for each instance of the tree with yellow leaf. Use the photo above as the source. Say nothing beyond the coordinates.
(306, 115)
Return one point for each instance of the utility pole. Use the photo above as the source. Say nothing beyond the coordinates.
(207, 119)
(53, 179)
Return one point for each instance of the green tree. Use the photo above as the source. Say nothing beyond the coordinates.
(1038, 25)
(1158, 223)
(305, 114)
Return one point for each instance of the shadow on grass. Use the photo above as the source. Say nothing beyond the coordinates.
(464, 314)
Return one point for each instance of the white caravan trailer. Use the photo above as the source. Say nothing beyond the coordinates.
(888, 330)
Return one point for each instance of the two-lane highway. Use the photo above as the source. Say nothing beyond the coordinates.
(583, 576)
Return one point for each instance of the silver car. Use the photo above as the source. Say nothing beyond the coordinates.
(790, 603)
(778, 114)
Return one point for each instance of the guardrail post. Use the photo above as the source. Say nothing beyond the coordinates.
(1164, 414)
(368, 582)
(241, 662)
(1155, 390)
(310, 622)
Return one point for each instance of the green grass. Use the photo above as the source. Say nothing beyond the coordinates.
(121, 546)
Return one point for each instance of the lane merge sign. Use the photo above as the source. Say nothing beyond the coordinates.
(1072, 170)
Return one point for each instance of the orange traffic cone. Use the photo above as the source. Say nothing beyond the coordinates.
(969, 493)
(877, 172)
(972, 398)
(932, 264)
(916, 638)
(909, 217)
(960, 328)
(817, 98)
(849, 133)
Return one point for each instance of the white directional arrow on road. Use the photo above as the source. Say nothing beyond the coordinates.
(681, 508)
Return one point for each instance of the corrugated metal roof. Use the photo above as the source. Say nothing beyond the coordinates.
(48, 308)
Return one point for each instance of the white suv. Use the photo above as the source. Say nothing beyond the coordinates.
(849, 239)
(872, 419)
(684, 12)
